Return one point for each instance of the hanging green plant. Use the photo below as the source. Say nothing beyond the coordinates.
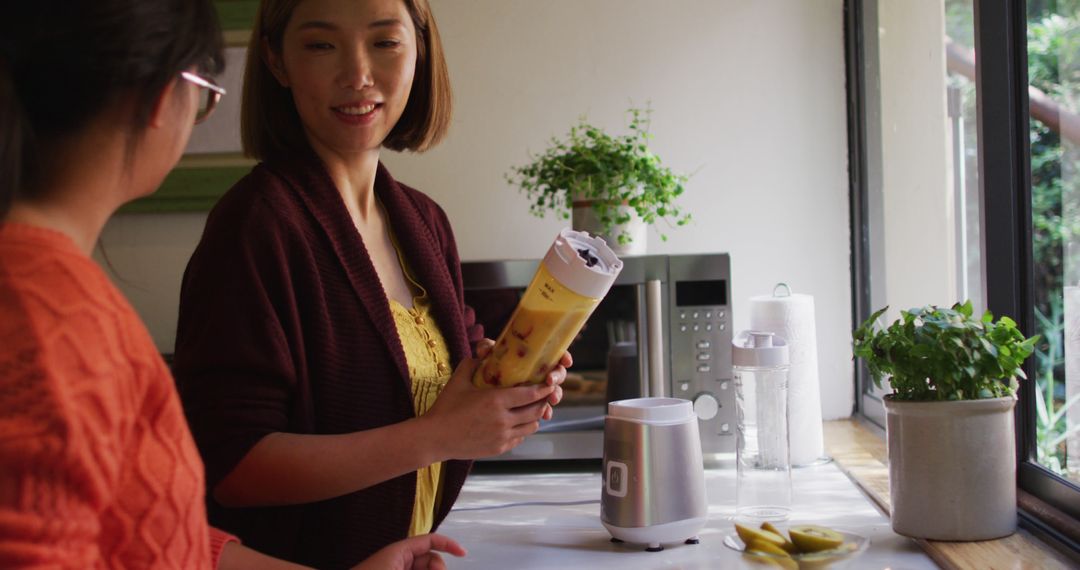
(616, 175)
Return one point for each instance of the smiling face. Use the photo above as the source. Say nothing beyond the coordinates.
(350, 67)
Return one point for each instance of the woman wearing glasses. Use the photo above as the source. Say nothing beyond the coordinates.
(97, 467)
(323, 342)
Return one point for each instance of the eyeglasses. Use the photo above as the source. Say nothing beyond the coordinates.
(209, 95)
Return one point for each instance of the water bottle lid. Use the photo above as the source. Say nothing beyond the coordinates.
(582, 263)
(759, 349)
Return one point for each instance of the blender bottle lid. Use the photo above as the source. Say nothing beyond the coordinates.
(759, 349)
(652, 410)
(583, 263)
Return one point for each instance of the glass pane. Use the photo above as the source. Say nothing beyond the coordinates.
(923, 198)
(963, 128)
(1054, 73)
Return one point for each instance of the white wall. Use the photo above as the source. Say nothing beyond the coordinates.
(747, 94)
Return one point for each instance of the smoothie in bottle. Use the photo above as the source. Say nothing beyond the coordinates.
(574, 276)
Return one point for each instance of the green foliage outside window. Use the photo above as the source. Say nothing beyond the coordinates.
(1055, 182)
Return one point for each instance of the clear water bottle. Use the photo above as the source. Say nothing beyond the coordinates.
(763, 478)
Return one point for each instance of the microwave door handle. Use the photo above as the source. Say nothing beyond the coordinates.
(655, 320)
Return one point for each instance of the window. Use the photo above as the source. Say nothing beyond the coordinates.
(966, 184)
(1053, 44)
(916, 169)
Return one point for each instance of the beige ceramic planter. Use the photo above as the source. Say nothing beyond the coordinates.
(584, 219)
(952, 468)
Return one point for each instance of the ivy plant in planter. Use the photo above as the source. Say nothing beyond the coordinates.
(949, 420)
(617, 176)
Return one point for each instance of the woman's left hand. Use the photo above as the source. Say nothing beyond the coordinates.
(555, 378)
(416, 553)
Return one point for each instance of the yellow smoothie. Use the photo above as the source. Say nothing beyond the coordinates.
(543, 325)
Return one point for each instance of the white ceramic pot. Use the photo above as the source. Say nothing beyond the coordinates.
(952, 468)
(585, 219)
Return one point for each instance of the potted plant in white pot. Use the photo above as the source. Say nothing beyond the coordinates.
(949, 420)
(614, 185)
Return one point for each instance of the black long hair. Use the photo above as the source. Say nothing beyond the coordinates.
(63, 62)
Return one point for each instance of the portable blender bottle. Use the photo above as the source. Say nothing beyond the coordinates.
(574, 276)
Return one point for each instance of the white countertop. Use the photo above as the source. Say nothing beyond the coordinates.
(494, 520)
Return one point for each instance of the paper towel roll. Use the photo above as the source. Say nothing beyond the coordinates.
(792, 317)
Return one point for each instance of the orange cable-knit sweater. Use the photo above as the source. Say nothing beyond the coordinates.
(97, 466)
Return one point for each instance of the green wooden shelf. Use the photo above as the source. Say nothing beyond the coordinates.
(237, 14)
(189, 189)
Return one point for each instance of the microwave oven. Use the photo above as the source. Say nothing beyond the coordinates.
(663, 330)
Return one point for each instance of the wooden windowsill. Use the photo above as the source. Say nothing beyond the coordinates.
(859, 451)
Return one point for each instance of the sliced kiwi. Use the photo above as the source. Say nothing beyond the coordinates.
(755, 560)
(812, 538)
(748, 535)
(757, 545)
(788, 545)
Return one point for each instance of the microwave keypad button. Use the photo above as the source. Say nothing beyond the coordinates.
(704, 356)
(703, 344)
(696, 327)
(703, 368)
(706, 407)
(696, 314)
(682, 328)
(722, 326)
(682, 314)
(684, 386)
(720, 314)
(708, 327)
(708, 314)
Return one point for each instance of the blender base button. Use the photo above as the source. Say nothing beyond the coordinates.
(616, 479)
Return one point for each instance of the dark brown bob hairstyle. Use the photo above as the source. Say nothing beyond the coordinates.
(269, 124)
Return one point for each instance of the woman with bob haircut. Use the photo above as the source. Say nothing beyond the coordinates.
(97, 466)
(324, 348)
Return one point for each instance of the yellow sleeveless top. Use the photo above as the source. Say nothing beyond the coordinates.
(428, 359)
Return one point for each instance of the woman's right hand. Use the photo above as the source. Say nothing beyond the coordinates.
(416, 553)
(467, 422)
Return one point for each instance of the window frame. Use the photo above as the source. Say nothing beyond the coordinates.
(1005, 195)
(865, 177)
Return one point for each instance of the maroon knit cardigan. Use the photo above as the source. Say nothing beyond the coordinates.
(284, 327)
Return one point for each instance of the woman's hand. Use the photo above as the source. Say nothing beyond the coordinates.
(555, 378)
(416, 553)
(467, 422)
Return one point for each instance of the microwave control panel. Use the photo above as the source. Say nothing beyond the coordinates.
(700, 345)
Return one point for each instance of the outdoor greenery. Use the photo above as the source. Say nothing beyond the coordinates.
(618, 174)
(932, 353)
(1051, 423)
(1054, 68)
